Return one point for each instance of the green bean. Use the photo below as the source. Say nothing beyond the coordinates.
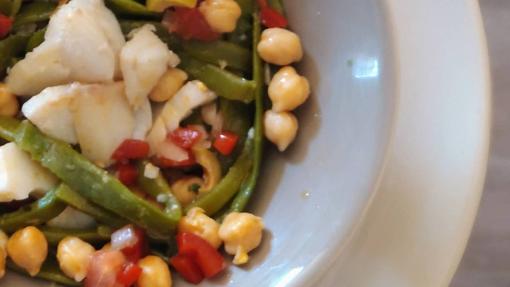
(246, 6)
(241, 200)
(220, 81)
(236, 119)
(34, 12)
(16, 6)
(74, 199)
(95, 235)
(8, 128)
(215, 52)
(222, 193)
(36, 213)
(219, 53)
(159, 189)
(172, 41)
(242, 34)
(130, 8)
(50, 271)
(35, 40)
(10, 7)
(92, 182)
(5, 7)
(11, 47)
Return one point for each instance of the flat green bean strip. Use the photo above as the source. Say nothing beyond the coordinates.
(222, 193)
(74, 199)
(220, 81)
(159, 189)
(11, 47)
(34, 12)
(172, 41)
(246, 6)
(92, 182)
(35, 40)
(15, 7)
(242, 34)
(36, 213)
(8, 127)
(95, 235)
(50, 271)
(130, 8)
(241, 200)
(5, 7)
(232, 55)
(235, 56)
(236, 119)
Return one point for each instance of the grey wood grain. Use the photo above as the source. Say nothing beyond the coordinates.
(486, 262)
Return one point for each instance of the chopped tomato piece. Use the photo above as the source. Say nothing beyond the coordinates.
(127, 173)
(168, 163)
(103, 269)
(187, 268)
(5, 25)
(129, 274)
(208, 259)
(185, 137)
(137, 250)
(225, 142)
(189, 24)
(270, 17)
(131, 149)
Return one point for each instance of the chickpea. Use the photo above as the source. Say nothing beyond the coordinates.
(288, 90)
(221, 15)
(28, 249)
(168, 85)
(280, 47)
(198, 223)
(186, 189)
(3, 252)
(9, 105)
(280, 128)
(155, 273)
(73, 256)
(242, 232)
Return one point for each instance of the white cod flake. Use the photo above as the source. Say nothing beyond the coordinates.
(82, 43)
(143, 60)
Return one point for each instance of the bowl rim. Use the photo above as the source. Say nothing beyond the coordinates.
(352, 259)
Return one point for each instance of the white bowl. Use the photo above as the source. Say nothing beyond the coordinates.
(382, 186)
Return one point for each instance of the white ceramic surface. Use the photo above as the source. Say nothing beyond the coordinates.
(364, 57)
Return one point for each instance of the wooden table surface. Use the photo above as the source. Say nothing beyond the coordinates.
(486, 262)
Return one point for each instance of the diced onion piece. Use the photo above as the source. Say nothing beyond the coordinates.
(124, 237)
(151, 171)
(192, 95)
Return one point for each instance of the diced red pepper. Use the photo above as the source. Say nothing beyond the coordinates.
(208, 259)
(187, 268)
(5, 25)
(225, 142)
(131, 149)
(185, 137)
(139, 249)
(270, 17)
(129, 274)
(189, 24)
(127, 173)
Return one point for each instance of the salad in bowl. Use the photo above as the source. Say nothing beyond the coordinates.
(132, 135)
